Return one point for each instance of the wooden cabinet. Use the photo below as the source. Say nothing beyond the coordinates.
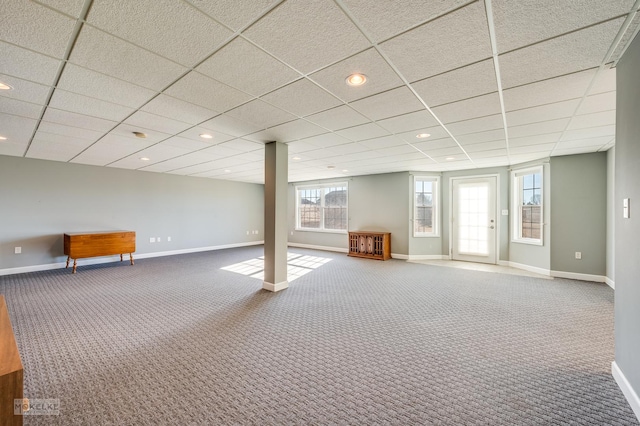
(11, 372)
(93, 244)
(373, 245)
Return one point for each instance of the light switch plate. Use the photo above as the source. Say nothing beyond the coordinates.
(505, 212)
(626, 207)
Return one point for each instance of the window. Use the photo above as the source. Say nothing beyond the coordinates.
(322, 207)
(425, 206)
(527, 206)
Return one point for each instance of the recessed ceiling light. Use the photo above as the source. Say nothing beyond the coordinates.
(297, 158)
(206, 136)
(450, 158)
(344, 170)
(140, 135)
(227, 171)
(144, 158)
(422, 135)
(5, 86)
(356, 79)
(331, 167)
(2, 138)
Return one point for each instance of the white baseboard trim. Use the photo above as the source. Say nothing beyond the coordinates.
(275, 287)
(399, 256)
(578, 276)
(627, 389)
(529, 268)
(428, 257)
(611, 283)
(315, 247)
(109, 259)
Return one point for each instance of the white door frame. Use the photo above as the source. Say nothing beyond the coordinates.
(498, 211)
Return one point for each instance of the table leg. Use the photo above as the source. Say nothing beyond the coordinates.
(75, 265)
(67, 262)
(131, 257)
(120, 257)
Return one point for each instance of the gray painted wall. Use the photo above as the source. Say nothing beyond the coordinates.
(611, 170)
(627, 231)
(376, 203)
(529, 254)
(41, 200)
(579, 213)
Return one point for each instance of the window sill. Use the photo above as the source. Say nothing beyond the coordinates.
(529, 242)
(426, 235)
(322, 231)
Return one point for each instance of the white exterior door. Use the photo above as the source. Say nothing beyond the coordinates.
(473, 219)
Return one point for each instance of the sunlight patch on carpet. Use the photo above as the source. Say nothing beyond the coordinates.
(297, 266)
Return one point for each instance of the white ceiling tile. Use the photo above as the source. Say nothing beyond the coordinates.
(573, 52)
(492, 153)
(362, 132)
(84, 105)
(326, 140)
(156, 122)
(293, 130)
(28, 65)
(436, 132)
(73, 119)
(541, 128)
(627, 37)
(436, 144)
(457, 39)
(483, 124)
(302, 98)
(605, 81)
(574, 151)
(348, 149)
(409, 122)
(296, 32)
(592, 120)
(261, 114)
(229, 125)
(125, 130)
(204, 91)
(167, 106)
(111, 148)
(21, 108)
(480, 106)
(542, 113)
(437, 154)
(74, 132)
(30, 25)
(480, 137)
(485, 146)
(184, 144)
(17, 130)
(523, 158)
(542, 148)
(70, 7)
(384, 19)
(161, 26)
(592, 132)
(462, 83)
(393, 153)
(534, 140)
(243, 145)
(233, 13)
(24, 90)
(582, 143)
(95, 85)
(195, 132)
(338, 118)
(520, 22)
(383, 142)
(597, 103)
(300, 147)
(110, 55)
(48, 146)
(380, 76)
(388, 104)
(548, 91)
(242, 65)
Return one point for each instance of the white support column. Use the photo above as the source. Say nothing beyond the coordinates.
(275, 216)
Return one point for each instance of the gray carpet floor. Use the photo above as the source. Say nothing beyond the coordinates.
(178, 340)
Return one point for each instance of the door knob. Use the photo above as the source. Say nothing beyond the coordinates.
(491, 227)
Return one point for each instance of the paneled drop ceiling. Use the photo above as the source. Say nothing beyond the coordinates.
(493, 82)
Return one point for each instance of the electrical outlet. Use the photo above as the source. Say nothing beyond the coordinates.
(17, 250)
(169, 239)
(158, 239)
(152, 240)
(579, 255)
(247, 232)
(256, 232)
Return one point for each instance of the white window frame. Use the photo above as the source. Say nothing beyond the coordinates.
(516, 203)
(320, 186)
(435, 207)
